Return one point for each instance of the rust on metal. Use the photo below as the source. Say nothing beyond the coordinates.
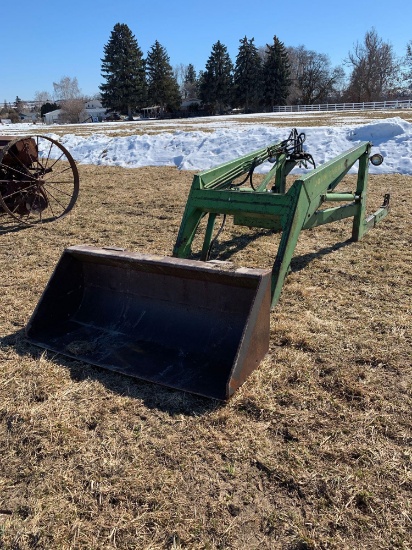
(39, 180)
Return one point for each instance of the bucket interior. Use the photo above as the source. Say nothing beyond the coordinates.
(179, 323)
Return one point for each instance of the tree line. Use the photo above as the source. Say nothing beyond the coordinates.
(257, 80)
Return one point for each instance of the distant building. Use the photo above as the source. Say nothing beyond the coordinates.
(28, 116)
(52, 117)
(94, 110)
(152, 112)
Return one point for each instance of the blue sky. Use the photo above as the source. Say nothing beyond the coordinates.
(44, 42)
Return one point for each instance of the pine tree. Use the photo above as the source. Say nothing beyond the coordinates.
(248, 75)
(123, 68)
(276, 73)
(48, 108)
(190, 74)
(163, 88)
(408, 62)
(18, 103)
(190, 84)
(216, 86)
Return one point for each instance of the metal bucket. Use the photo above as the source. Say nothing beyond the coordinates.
(199, 327)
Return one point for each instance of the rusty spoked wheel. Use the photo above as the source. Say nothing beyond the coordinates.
(39, 181)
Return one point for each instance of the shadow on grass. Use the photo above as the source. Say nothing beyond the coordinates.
(11, 225)
(7, 226)
(300, 262)
(226, 249)
(154, 396)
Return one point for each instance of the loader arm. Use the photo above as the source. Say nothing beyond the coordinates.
(287, 212)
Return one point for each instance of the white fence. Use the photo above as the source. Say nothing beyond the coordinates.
(372, 106)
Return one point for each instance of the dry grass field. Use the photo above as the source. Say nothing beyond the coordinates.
(313, 452)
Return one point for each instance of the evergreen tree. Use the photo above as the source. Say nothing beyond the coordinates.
(162, 85)
(190, 74)
(48, 108)
(407, 75)
(18, 103)
(123, 68)
(276, 73)
(216, 86)
(190, 84)
(248, 75)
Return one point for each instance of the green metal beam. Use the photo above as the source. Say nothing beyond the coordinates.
(329, 215)
(215, 192)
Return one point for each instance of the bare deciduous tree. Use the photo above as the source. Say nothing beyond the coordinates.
(313, 78)
(42, 97)
(66, 88)
(375, 69)
(68, 94)
(179, 72)
(73, 111)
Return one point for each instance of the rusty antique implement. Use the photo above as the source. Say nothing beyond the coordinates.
(39, 181)
(199, 326)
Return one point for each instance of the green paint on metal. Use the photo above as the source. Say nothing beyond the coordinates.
(219, 191)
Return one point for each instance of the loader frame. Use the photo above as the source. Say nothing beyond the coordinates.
(198, 326)
(270, 206)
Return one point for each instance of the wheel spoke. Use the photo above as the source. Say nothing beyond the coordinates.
(55, 174)
(30, 191)
(55, 162)
(17, 172)
(48, 154)
(14, 210)
(26, 188)
(59, 189)
(47, 193)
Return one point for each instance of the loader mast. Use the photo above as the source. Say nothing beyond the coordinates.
(267, 206)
